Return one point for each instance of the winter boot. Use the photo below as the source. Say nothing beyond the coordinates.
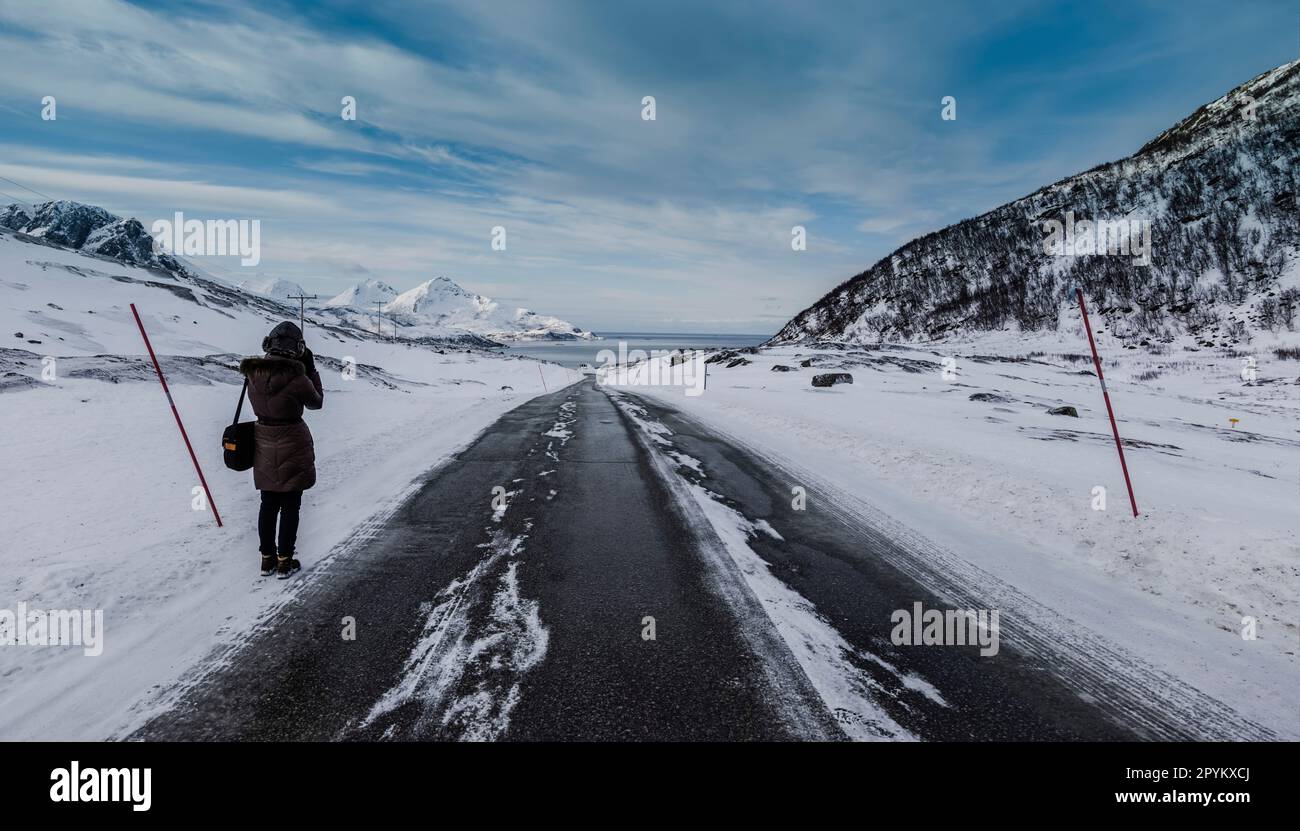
(268, 564)
(286, 567)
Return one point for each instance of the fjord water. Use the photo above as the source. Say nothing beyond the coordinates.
(578, 352)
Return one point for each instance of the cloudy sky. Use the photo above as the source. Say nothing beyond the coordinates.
(527, 115)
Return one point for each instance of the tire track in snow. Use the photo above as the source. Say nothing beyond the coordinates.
(436, 630)
(479, 638)
(1124, 689)
(831, 664)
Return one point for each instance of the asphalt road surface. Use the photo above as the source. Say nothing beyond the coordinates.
(577, 574)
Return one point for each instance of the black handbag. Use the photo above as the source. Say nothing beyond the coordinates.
(237, 442)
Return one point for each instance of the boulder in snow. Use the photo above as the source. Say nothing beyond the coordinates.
(830, 379)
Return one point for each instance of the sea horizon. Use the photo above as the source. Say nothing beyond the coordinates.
(574, 353)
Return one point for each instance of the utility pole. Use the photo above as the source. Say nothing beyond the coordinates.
(302, 308)
(379, 319)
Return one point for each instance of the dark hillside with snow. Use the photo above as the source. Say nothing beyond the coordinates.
(1219, 190)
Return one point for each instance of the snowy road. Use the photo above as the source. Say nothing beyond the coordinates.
(514, 594)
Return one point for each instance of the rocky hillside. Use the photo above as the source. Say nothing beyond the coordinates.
(63, 237)
(437, 312)
(90, 230)
(1219, 191)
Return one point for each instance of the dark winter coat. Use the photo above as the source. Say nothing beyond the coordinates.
(278, 390)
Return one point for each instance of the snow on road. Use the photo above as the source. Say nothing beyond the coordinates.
(463, 677)
(974, 462)
(98, 492)
(851, 696)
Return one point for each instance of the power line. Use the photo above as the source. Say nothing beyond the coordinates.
(24, 187)
(302, 306)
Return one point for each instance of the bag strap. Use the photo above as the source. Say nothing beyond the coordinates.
(241, 402)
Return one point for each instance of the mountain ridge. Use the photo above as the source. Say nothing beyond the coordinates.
(1219, 191)
(442, 304)
(89, 230)
(436, 310)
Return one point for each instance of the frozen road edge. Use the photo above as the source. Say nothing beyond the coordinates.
(744, 579)
(1151, 702)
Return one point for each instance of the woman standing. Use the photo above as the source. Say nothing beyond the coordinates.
(280, 385)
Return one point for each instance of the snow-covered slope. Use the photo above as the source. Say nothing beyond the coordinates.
(1219, 190)
(435, 311)
(439, 306)
(87, 240)
(98, 489)
(364, 295)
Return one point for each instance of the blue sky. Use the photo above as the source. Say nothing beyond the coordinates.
(527, 115)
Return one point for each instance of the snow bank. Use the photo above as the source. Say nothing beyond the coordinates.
(1010, 488)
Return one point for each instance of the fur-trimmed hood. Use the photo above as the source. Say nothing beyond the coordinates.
(271, 365)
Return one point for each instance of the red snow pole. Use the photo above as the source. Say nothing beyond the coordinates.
(543, 377)
(1096, 360)
(168, 392)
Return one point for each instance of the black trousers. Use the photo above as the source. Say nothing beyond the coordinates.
(284, 505)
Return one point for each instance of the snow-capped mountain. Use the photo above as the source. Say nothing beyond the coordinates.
(90, 230)
(101, 264)
(443, 304)
(439, 306)
(274, 288)
(1219, 191)
(364, 295)
(435, 310)
(437, 297)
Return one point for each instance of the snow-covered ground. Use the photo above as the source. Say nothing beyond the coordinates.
(98, 504)
(97, 495)
(1010, 489)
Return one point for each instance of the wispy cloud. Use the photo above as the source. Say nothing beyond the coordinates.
(527, 115)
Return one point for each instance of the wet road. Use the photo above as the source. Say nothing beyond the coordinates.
(604, 568)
